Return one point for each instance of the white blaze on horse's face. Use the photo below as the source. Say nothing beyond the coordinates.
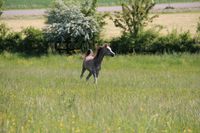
(109, 51)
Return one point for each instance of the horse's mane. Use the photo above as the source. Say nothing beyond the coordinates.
(90, 52)
(98, 52)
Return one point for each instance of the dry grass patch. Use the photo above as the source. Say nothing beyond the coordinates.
(21, 22)
(179, 21)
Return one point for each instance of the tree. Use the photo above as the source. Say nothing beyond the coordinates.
(1, 4)
(134, 16)
(71, 27)
(198, 27)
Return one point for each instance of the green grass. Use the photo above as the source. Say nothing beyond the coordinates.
(21, 4)
(135, 93)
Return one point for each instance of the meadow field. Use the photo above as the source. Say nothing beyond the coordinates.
(134, 94)
(20, 4)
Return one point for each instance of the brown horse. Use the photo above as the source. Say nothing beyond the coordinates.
(93, 63)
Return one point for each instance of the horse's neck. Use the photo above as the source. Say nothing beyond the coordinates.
(98, 59)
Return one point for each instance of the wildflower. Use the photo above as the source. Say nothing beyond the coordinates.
(61, 124)
(189, 130)
(108, 129)
(73, 116)
(77, 130)
(141, 109)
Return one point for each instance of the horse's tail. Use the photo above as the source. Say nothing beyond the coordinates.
(89, 52)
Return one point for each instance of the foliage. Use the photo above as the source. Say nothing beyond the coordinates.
(9, 41)
(151, 42)
(134, 16)
(29, 41)
(70, 29)
(198, 32)
(123, 44)
(1, 4)
(34, 42)
(89, 8)
(12, 43)
(4, 30)
(198, 27)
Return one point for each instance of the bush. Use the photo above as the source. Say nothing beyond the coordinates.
(175, 42)
(198, 27)
(34, 42)
(129, 44)
(70, 29)
(1, 4)
(12, 43)
(123, 44)
(144, 41)
(9, 42)
(150, 42)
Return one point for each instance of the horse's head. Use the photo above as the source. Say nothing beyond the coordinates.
(108, 50)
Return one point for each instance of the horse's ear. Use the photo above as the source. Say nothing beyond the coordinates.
(106, 45)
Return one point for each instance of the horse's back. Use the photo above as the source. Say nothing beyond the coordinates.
(88, 62)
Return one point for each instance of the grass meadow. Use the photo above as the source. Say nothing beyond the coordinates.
(135, 94)
(20, 4)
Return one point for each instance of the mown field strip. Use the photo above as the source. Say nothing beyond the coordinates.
(30, 4)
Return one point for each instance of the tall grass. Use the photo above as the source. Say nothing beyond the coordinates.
(18, 4)
(135, 93)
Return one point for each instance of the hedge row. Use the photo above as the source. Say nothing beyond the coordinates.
(151, 41)
(33, 41)
(29, 41)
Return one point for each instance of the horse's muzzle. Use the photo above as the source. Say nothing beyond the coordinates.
(113, 54)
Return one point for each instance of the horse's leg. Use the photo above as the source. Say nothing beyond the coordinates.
(89, 75)
(82, 72)
(95, 77)
(97, 74)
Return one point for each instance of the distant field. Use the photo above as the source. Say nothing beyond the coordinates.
(179, 21)
(138, 93)
(20, 4)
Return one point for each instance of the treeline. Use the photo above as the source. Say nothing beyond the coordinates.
(77, 28)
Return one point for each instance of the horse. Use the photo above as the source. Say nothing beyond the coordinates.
(92, 62)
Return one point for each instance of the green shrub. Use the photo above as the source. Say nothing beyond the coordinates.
(3, 34)
(70, 29)
(198, 27)
(9, 41)
(12, 43)
(151, 42)
(129, 44)
(175, 42)
(1, 4)
(144, 41)
(34, 42)
(123, 44)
